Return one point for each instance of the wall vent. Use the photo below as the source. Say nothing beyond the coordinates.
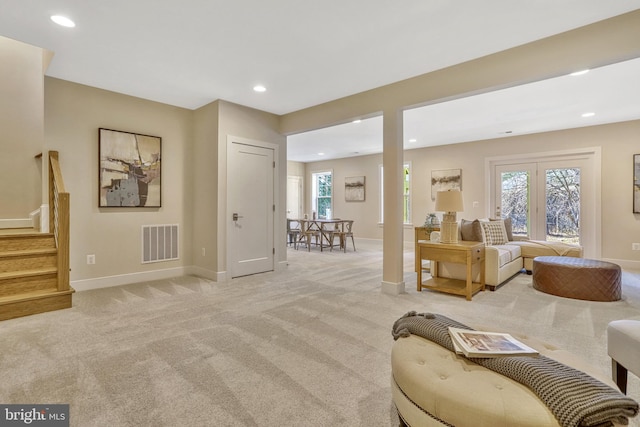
(159, 243)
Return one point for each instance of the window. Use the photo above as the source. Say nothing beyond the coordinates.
(406, 193)
(322, 193)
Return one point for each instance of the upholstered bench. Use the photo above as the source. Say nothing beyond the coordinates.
(623, 345)
(578, 278)
(432, 386)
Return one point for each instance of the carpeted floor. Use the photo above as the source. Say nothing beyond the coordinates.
(308, 346)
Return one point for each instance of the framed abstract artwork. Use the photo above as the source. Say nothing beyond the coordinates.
(354, 188)
(443, 180)
(636, 183)
(130, 169)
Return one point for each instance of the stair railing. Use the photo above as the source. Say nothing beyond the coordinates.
(59, 219)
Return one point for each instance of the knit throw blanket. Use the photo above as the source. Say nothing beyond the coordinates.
(575, 398)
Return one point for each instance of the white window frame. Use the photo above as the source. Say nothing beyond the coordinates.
(407, 220)
(314, 189)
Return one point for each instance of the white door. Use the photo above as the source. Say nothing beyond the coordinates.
(294, 197)
(250, 209)
(549, 200)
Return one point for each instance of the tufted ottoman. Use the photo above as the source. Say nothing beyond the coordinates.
(432, 386)
(578, 278)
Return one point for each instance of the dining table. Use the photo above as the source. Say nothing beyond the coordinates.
(323, 225)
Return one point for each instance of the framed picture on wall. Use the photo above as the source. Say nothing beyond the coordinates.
(354, 189)
(443, 180)
(636, 183)
(130, 169)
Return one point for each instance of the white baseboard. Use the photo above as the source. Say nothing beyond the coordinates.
(390, 288)
(625, 264)
(127, 279)
(216, 276)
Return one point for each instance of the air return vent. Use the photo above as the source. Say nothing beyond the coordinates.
(159, 243)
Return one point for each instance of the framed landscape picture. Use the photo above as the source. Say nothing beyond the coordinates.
(636, 183)
(130, 169)
(354, 189)
(443, 180)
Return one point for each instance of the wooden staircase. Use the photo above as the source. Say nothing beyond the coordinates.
(29, 275)
(34, 267)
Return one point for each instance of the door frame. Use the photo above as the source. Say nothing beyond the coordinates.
(593, 155)
(278, 229)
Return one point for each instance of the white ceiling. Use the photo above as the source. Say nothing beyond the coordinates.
(610, 92)
(189, 53)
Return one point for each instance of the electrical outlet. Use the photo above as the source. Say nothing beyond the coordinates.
(91, 259)
(635, 246)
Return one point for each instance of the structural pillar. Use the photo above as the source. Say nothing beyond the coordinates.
(393, 240)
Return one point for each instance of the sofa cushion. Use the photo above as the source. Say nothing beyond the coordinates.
(507, 226)
(534, 248)
(507, 253)
(471, 230)
(494, 232)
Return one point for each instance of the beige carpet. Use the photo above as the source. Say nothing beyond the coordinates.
(308, 346)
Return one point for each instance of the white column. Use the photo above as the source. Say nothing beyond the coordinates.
(392, 160)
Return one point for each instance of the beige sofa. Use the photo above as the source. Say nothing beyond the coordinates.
(506, 258)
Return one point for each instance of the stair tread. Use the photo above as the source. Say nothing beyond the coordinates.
(28, 273)
(33, 295)
(28, 252)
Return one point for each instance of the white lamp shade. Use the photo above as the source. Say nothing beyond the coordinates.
(449, 201)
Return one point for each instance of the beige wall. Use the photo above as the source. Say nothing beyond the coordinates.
(73, 114)
(193, 180)
(213, 125)
(22, 128)
(618, 143)
(204, 159)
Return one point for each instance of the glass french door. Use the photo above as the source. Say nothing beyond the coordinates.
(548, 200)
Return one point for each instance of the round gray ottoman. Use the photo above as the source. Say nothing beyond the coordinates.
(577, 278)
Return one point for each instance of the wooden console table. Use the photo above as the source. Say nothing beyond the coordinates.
(463, 252)
(422, 234)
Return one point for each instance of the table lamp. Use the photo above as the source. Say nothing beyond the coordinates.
(450, 202)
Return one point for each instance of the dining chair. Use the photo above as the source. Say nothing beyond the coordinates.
(307, 232)
(346, 232)
(293, 232)
(331, 232)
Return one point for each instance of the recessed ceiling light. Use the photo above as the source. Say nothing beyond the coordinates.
(357, 121)
(320, 154)
(588, 114)
(412, 140)
(63, 20)
(579, 73)
(259, 88)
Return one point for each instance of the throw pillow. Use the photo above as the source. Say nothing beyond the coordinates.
(471, 230)
(507, 226)
(495, 233)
